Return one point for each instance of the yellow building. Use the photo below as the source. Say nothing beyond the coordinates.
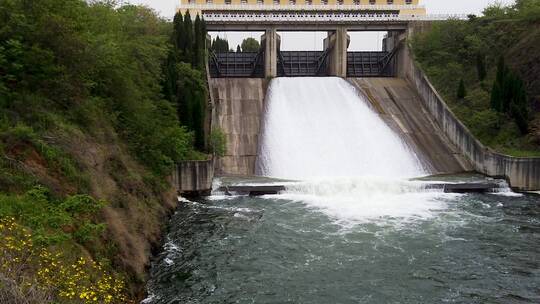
(403, 7)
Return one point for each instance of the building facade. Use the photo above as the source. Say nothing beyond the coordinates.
(394, 7)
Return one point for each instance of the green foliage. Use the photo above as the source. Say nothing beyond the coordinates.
(509, 96)
(179, 36)
(494, 103)
(218, 142)
(481, 67)
(220, 45)
(250, 45)
(52, 220)
(200, 38)
(461, 92)
(238, 49)
(25, 145)
(185, 81)
(188, 39)
(76, 65)
(191, 100)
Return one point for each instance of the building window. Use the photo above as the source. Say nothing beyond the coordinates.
(340, 2)
(356, 2)
(227, 1)
(276, 2)
(389, 1)
(243, 1)
(371, 1)
(260, 2)
(324, 2)
(292, 2)
(209, 1)
(408, 1)
(308, 2)
(191, 1)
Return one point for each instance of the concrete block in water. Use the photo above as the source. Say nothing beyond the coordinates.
(194, 178)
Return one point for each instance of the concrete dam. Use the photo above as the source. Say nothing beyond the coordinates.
(394, 114)
(409, 106)
(387, 82)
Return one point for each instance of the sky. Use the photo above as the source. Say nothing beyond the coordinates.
(366, 41)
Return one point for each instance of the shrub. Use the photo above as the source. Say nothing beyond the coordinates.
(53, 221)
(218, 142)
(30, 273)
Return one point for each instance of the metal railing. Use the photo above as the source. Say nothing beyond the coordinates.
(252, 17)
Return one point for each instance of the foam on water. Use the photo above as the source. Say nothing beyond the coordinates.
(362, 199)
(354, 167)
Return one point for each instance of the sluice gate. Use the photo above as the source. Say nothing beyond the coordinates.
(241, 64)
(300, 64)
(303, 63)
(371, 64)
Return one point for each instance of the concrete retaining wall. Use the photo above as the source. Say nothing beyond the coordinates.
(522, 173)
(194, 178)
(238, 105)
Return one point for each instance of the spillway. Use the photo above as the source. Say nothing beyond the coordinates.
(322, 127)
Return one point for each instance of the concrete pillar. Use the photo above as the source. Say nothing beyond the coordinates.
(271, 41)
(338, 41)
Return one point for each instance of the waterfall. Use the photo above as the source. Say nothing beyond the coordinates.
(321, 127)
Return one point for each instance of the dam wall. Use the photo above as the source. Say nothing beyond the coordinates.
(237, 109)
(521, 172)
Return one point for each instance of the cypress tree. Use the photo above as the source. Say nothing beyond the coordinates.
(238, 50)
(498, 91)
(481, 67)
(204, 32)
(220, 45)
(518, 105)
(179, 35)
(461, 92)
(198, 47)
(188, 38)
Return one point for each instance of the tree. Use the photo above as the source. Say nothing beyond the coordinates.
(198, 49)
(218, 142)
(519, 105)
(188, 38)
(461, 92)
(178, 32)
(481, 67)
(250, 45)
(509, 96)
(220, 45)
(191, 100)
(238, 50)
(498, 92)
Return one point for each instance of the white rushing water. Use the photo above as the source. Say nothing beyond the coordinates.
(350, 164)
(321, 127)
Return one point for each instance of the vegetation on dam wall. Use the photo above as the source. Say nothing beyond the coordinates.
(488, 70)
(88, 137)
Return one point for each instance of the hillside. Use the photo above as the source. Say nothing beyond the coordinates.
(477, 51)
(88, 137)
